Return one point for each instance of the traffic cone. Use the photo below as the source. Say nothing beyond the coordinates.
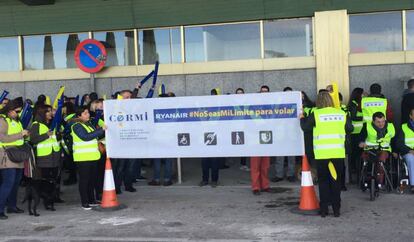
(309, 203)
(109, 199)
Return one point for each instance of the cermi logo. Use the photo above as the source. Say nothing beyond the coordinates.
(121, 117)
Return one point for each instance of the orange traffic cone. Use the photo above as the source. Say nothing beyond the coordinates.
(109, 199)
(309, 203)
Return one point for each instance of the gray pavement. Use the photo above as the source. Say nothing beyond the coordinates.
(227, 213)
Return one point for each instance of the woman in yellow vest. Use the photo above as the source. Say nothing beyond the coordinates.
(46, 146)
(96, 107)
(329, 126)
(11, 134)
(86, 155)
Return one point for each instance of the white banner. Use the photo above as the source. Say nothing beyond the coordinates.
(263, 124)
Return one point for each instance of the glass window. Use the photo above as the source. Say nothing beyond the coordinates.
(9, 52)
(376, 32)
(119, 47)
(410, 30)
(287, 38)
(222, 42)
(51, 51)
(163, 45)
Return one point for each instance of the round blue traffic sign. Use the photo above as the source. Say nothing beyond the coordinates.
(90, 56)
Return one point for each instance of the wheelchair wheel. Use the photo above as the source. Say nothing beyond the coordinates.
(372, 190)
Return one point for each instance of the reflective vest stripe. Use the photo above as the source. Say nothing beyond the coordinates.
(329, 136)
(324, 147)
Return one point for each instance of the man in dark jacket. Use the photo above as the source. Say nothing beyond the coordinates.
(407, 103)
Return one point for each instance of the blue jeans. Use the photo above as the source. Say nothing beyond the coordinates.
(280, 168)
(8, 188)
(409, 159)
(167, 169)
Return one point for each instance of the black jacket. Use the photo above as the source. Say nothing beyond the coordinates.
(407, 104)
(82, 133)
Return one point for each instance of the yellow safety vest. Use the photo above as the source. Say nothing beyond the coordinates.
(46, 147)
(373, 142)
(371, 105)
(408, 135)
(357, 124)
(85, 150)
(13, 127)
(329, 133)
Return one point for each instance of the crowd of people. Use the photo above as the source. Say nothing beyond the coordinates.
(77, 146)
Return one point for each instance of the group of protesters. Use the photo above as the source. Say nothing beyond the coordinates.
(76, 145)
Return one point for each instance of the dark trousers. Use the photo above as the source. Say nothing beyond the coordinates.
(49, 173)
(124, 172)
(212, 164)
(329, 188)
(70, 166)
(100, 175)
(355, 155)
(8, 188)
(243, 161)
(87, 178)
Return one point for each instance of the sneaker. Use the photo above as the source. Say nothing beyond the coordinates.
(243, 168)
(3, 216)
(15, 210)
(276, 179)
(167, 183)
(130, 189)
(86, 207)
(94, 204)
(203, 183)
(213, 184)
(154, 183)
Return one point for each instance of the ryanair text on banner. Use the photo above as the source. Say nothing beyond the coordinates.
(264, 124)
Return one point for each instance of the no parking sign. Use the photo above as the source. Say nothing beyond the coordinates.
(90, 56)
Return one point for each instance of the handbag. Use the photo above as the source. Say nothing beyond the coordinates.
(19, 154)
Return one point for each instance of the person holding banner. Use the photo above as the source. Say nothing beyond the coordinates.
(86, 154)
(330, 126)
(259, 167)
(47, 147)
(11, 134)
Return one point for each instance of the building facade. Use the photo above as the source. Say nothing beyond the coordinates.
(203, 45)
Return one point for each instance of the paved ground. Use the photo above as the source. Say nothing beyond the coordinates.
(229, 212)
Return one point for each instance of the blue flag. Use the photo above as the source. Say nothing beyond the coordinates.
(57, 119)
(3, 95)
(26, 115)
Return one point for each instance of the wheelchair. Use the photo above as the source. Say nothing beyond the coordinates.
(370, 172)
(403, 181)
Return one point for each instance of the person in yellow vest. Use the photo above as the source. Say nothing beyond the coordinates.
(377, 134)
(405, 145)
(11, 134)
(86, 155)
(330, 126)
(375, 102)
(46, 146)
(355, 112)
(95, 107)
